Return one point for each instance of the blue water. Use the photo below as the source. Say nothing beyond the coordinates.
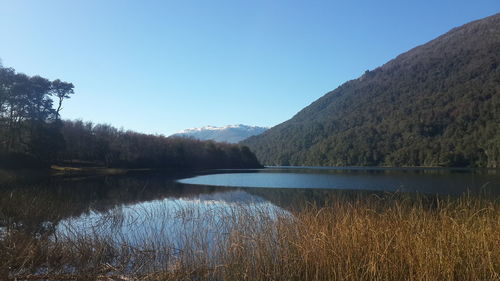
(165, 211)
(443, 181)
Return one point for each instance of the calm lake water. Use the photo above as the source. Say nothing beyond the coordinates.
(430, 180)
(164, 209)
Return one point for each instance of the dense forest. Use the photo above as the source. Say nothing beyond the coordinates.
(33, 135)
(117, 148)
(435, 105)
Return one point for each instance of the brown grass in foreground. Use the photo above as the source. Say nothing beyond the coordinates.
(393, 237)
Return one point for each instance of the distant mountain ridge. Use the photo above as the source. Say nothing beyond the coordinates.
(435, 105)
(229, 134)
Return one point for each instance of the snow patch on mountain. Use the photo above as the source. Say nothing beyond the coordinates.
(230, 133)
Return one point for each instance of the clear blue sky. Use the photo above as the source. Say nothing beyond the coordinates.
(163, 66)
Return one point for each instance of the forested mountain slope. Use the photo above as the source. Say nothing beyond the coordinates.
(435, 105)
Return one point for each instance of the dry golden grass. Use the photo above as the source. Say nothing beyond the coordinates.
(390, 237)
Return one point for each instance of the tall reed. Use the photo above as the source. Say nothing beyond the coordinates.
(365, 237)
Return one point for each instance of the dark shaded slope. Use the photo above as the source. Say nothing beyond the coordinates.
(435, 105)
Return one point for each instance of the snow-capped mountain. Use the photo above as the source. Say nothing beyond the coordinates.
(230, 134)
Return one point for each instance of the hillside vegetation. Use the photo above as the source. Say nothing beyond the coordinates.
(111, 147)
(435, 105)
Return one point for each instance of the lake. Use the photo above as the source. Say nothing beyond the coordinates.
(150, 204)
(430, 180)
(163, 213)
